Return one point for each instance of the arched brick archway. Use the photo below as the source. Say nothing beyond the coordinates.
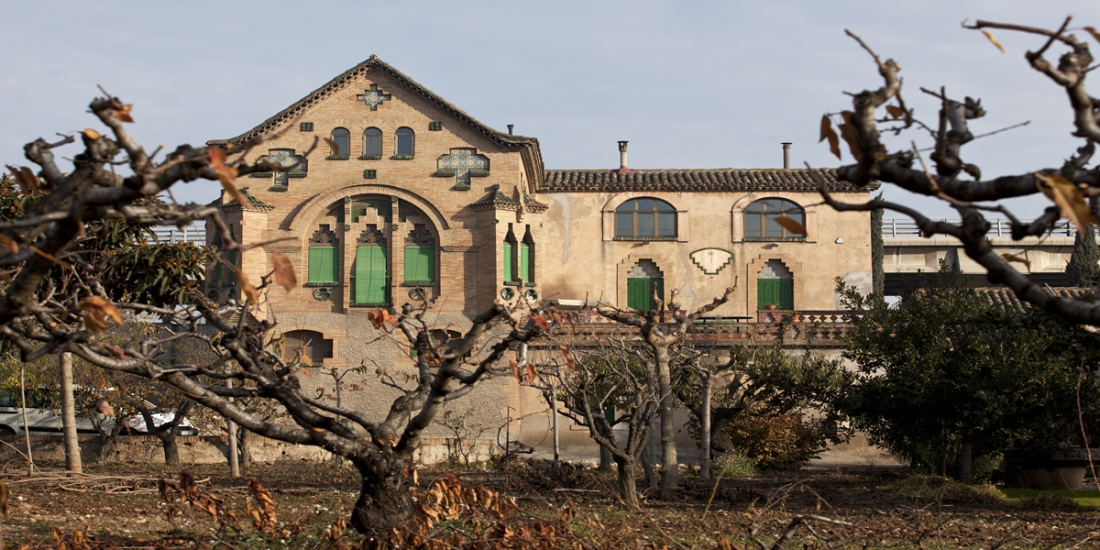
(317, 206)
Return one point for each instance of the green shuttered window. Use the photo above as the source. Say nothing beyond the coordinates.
(777, 292)
(639, 292)
(371, 280)
(508, 262)
(323, 267)
(525, 271)
(420, 264)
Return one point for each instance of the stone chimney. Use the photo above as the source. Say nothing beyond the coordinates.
(786, 155)
(510, 126)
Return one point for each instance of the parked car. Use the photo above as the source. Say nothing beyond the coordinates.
(44, 418)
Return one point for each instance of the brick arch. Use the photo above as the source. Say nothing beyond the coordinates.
(752, 269)
(663, 265)
(318, 205)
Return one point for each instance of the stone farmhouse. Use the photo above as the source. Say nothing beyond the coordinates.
(408, 198)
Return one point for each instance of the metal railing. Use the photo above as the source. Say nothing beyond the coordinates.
(1001, 227)
(190, 234)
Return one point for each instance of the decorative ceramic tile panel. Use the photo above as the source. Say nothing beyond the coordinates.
(462, 163)
(373, 97)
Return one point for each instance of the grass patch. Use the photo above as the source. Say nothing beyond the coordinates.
(1050, 500)
(947, 491)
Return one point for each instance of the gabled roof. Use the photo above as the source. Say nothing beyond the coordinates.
(698, 180)
(373, 63)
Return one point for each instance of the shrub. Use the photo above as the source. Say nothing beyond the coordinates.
(733, 464)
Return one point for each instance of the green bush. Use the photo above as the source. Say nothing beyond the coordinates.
(733, 464)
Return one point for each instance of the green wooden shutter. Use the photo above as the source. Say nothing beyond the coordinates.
(508, 263)
(777, 292)
(525, 263)
(232, 262)
(323, 267)
(419, 263)
(639, 294)
(786, 294)
(370, 275)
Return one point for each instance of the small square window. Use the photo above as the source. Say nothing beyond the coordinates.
(306, 127)
(370, 174)
(435, 125)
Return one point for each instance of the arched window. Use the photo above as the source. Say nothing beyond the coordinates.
(372, 143)
(405, 142)
(311, 345)
(342, 138)
(645, 219)
(761, 220)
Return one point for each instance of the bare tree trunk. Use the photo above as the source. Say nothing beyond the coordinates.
(966, 462)
(605, 460)
(384, 500)
(554, 422)
(670, 466)
(246, 456)
(68, 414)
(704, 428)
(647, 463)
(26, 428)
(231, 428)
(628, 491)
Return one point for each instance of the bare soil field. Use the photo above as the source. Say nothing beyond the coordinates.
(526, 505)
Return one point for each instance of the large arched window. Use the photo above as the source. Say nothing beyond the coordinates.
(405, 145)
(372, 143)
(761, 220)
(341, 137)
(645, 219)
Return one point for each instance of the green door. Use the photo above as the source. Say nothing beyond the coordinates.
(777, 292)
(639, 292)
(419, 264)
(371, 282)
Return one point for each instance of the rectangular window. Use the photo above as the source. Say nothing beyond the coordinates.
(645, 224)
(419, 263)
(404, 144)
(525, 263)
(232, 276)
(373, 145)
(323, 267)
(753, 226)
(508, 262)
(666, 224)
(624, 224)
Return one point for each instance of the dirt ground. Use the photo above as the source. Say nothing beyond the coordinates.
(121, 506)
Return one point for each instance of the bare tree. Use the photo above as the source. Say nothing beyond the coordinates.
(1073, 187)
(613, 377)
(662, 328)
(41, 318)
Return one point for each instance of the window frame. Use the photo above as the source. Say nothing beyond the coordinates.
(637, 216)
(339, 134)
(760, 216)
(399, 133)
(367, 154)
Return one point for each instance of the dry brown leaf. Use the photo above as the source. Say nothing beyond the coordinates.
(1094, 33)
(828, 133)
(247, 287)
(226, 175)
(305, 371)
(848, 132)
(515, 369)
(530, 374)
(49, 257)
(332, 146)
(123, 114)
(994, 41)
(284, 271)
(1016, 258)
(9, 244)
(25, 178)
(895, 111)
(101, 309)
(791, 225)
(1069, 199)
(90, 133)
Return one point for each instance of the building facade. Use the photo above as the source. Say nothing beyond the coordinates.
(406, 198)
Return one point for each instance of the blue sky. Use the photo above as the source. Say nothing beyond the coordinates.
(689, 84)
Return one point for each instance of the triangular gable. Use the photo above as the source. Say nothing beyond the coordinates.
(533, 156)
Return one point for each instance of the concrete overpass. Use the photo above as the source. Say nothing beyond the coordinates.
(908, 253)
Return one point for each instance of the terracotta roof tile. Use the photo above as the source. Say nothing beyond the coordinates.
(1005, 297)
(716, 179)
